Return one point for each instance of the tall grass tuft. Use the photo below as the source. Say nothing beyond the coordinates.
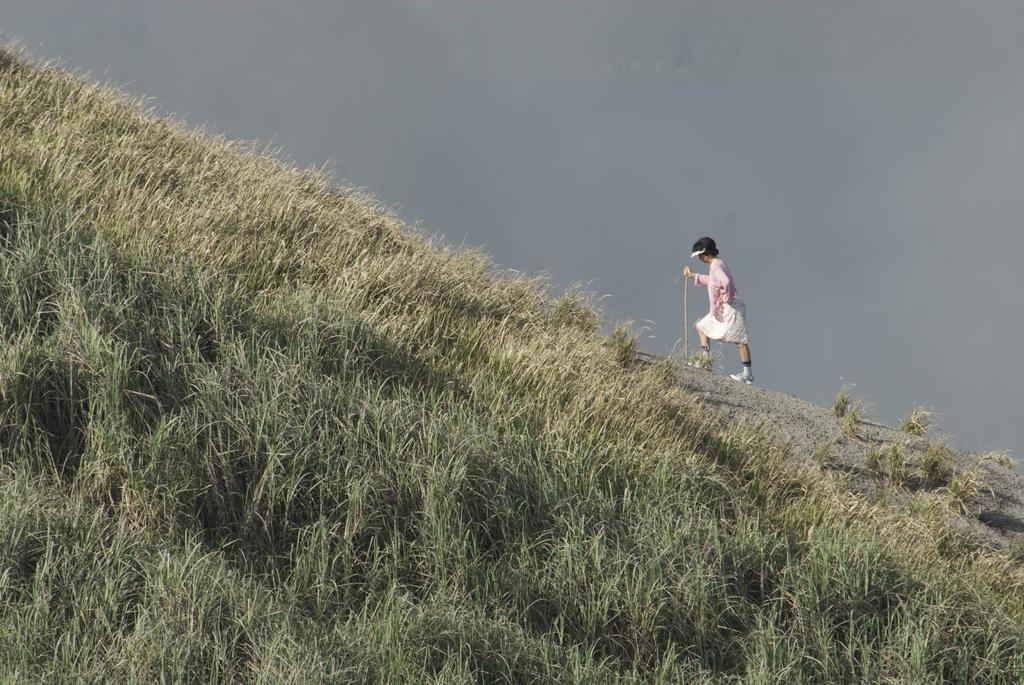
(874, 457)
(823, 450)
(841, 403)
(936, 463)
(623, 344)
(964, 489)
(918, 421)
(896, 464)
(849, 411)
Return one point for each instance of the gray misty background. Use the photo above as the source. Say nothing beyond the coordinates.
(859, 163)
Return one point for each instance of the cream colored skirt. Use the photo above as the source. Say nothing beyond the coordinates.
(731, 328)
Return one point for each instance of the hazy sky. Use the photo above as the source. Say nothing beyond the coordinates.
(859, 163)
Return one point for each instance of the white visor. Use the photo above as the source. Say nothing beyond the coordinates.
(698, 253)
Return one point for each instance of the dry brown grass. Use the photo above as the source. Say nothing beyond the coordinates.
(918, 421)
(823, 450)
(999, 458)
(964, 489)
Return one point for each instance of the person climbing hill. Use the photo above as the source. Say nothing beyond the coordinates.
(727, 320)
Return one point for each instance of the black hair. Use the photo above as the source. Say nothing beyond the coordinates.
(707, 245)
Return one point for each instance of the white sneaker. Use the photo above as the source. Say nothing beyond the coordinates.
(744, 377)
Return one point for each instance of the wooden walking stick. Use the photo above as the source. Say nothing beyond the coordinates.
(686, 320)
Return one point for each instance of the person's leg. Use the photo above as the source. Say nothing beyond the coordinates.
(704, 356)
(747, 375)
(705, 342)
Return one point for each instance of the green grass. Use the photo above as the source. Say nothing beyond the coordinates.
(823, 450)
(254, 429)
(896, 463)
(842, 402)
(850, 413)
(874, 457)
(849, 425)
(936, 463)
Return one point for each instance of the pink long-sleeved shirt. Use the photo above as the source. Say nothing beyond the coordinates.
(720, 285)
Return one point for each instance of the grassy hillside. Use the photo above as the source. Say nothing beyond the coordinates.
(254, 429)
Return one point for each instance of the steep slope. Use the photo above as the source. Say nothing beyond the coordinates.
(255, 429)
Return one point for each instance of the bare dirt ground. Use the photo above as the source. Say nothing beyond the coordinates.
(988, 493)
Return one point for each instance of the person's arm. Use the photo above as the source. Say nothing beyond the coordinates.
(699, 279)
(718, 283)
(723, 283)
